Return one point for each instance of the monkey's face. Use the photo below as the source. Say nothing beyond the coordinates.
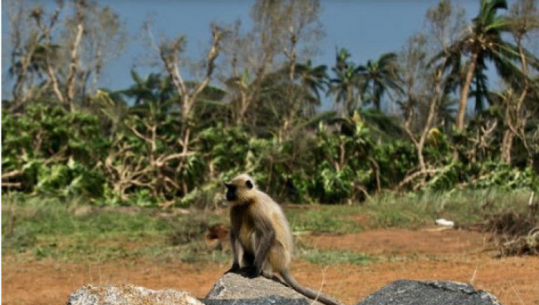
(239, 188)
(231, 192)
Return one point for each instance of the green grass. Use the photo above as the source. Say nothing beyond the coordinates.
(34, 228)
(39, 228)
(328, 257)
(412, 211)
(324, 219)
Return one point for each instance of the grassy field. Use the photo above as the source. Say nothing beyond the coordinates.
(51, 246)
(38, 228)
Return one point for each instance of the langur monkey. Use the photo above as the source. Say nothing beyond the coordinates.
(260, 235)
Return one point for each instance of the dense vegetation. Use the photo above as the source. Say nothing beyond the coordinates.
(398, 122)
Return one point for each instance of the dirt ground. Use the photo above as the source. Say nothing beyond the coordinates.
(425, 254)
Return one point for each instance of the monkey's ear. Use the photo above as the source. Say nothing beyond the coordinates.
(249, 184)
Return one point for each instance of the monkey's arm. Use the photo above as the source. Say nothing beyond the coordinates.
(236, 251)
(265, 233)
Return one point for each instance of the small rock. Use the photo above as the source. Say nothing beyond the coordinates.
(406, 292)
(236, 289)
(129, 295)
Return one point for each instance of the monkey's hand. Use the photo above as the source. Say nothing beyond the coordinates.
(234, 269)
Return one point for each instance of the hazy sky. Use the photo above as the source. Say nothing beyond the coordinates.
(367, 28)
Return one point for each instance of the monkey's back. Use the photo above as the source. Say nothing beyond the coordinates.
(281, 252)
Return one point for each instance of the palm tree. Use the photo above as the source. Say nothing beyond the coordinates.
(446, 112)
(484, 42)
(313, 79)
(378, 77)
(481, 92)
(152, 89)
(344, 84)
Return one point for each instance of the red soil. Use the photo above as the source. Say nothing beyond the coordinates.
(402, 254)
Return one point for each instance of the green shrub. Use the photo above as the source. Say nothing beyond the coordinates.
(55, 151)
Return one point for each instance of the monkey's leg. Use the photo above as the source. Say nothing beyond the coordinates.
(247, 264)
(237, 251)
(248, 260)
(266, 239)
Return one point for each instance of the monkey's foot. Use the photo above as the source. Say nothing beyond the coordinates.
(250, 272)
(234, 269)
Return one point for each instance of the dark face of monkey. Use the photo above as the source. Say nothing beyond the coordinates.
(231, 192)
(232, 188)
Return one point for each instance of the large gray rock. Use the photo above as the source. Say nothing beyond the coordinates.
(238, 290)
(405, 292)
(129, 295)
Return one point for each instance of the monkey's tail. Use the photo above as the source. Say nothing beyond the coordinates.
(317, 296)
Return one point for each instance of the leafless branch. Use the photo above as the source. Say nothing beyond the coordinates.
(74, 65)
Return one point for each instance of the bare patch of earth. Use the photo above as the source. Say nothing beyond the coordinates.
(401, 254)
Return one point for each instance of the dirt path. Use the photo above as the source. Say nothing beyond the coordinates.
(428, 241)
(419, 255)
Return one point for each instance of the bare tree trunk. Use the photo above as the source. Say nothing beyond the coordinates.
(521, 115)
(50, 69)
(292, 101)
(188, 98)
(73, 67)
(515, 115)
(244, 99)
(54, 81)
(349, 99)
(507, 144)
(464, 93)
(97, 72)
(19, 95)
(420, 143)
